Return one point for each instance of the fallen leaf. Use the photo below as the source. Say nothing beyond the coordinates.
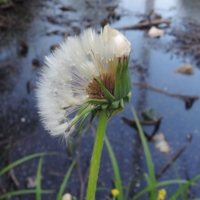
(31, 182)
(149, 114)
(67, 8)
(185, 69)
(155, 32)
(54, 47)
(161, 143)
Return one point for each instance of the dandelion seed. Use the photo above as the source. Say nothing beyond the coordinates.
(84, 75)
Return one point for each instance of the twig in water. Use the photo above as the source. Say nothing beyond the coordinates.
(13, 178)
(146, 24)
(189, 100)
(174, 157)
(155, 123)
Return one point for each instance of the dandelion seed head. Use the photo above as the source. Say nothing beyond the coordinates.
(68, 78)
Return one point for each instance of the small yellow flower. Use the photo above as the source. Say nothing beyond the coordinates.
(115, 192)
(161, 194)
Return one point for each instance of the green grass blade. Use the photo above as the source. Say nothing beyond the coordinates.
(118, 183)
(103, 189)
(183, 196)
(64, 183)
(183, 188)
(21, 192)
(130, 183)
(20, 161)
(38, 180)
(146, 176)
(147, 155)
(160, 184)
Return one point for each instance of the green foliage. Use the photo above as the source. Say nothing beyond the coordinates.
(36, 191)
(149, 161)
(117, 181)
(4, 1)
(183, 188)
(22, 160)
(38, 180)
(21, 192)
(64, 183)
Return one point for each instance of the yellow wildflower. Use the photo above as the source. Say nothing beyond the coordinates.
(161, 194)
(115, 192)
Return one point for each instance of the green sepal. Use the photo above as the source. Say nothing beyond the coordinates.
(94, 112)
(82, 109)
(122, 79)
(104, 106)
(84, 112)
(115, 104)
(127, 98)
(81, 124)
(115, 111)
(97, 101)
(108, 95)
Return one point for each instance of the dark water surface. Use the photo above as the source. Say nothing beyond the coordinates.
(41, 24)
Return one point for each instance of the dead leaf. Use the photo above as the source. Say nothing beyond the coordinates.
(155, 32)
(54, 47)
(67, 8)
(161, 143)
(31, 182)
(185, 69)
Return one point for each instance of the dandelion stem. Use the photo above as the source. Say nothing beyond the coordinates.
(96, 156)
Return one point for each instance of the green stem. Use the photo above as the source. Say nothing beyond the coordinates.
(96, 156)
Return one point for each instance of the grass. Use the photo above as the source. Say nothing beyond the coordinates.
(149, 161)
(38, 191)
(38, 180)
(65, 180)
(147, 193)
(117, 181)
(152, 183)
(22, 160)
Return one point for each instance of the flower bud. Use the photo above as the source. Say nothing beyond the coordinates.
(122, 46)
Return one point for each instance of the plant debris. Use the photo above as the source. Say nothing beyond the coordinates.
(155, 32)
(146, 24)
(156, 123)
(186, 69)
(22, 48)
(174, 157)
(67, 8)
(189, 100)
(187, 41)
(161, 143)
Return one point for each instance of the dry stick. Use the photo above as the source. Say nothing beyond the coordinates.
(189, 100)
(146, 24)
(56, 173)
(3, 189)
(155, 123)
(11, 173)
(174, 157)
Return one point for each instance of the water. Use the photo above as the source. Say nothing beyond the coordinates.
(19, 117)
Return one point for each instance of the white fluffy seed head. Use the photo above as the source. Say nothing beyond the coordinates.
(61, 88)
